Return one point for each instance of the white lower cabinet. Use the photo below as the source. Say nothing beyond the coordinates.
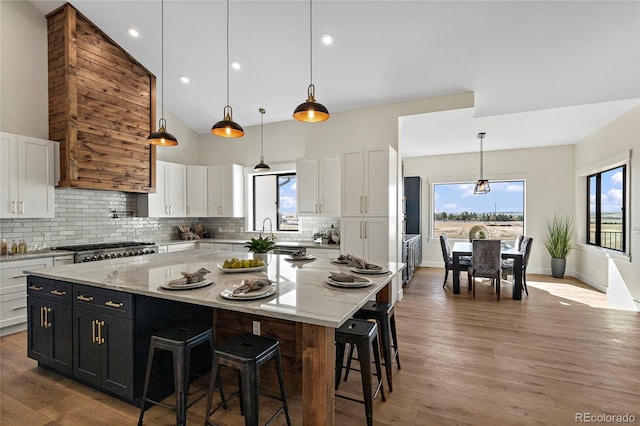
(181, 247)
(367, 238)
(13, 292)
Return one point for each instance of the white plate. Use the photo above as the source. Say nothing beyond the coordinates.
(191, 286)
(339, 262)
(355, 284)
(299, 258)
(370, 271)
(237, 270)
(263, 292)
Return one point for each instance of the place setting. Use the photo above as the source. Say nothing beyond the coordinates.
(346, 280)
(359, 265)
(299, 256)
(189, 281)
(250, 289)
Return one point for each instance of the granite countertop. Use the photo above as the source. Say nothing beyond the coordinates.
(305, 244)
(302, 293)
(35, 255)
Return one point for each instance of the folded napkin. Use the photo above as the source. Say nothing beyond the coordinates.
(251, 285)
(195, 277)
(297, 254)
(359, 263)
(343, 277)
(343, 258)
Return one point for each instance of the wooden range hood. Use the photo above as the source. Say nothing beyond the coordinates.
(101, 107)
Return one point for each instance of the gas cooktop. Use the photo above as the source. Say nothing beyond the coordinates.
(103, 246)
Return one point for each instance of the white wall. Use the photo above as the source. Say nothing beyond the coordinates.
(549, 176)
(604, 269)
(23, 75)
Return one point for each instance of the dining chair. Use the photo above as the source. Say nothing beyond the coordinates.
(518, 242)
(465, 261)
(478, 232)
(486, 263)
(507, 265)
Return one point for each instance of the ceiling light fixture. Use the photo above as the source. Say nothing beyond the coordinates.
(482, 186)
(184, 79)
(235, 65)
(162, 137)
(311, 111)
(326, 38)
(133, 32)
(261, 167)
(227, 128)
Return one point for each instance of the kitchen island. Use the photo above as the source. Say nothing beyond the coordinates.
(303, 299)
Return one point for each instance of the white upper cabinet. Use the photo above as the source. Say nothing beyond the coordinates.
(367, 183)
(225, 191)
(318, 186)
(27, 177)
(197, 191)
(170, 198)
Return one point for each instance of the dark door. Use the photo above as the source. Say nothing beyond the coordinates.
(37, 333)
(86, 365)
(117, 355)
(60, 318)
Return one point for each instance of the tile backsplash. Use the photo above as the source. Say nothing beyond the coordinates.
(87, 216)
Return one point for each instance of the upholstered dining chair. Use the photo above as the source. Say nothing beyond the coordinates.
(518, 242)
(507, 264)
(478, 232)
(486, 263)
(448, 259)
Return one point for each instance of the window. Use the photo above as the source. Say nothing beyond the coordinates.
(606, 207)
(274, 199)
(456, 209)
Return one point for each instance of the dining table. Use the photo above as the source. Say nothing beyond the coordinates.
(465, 248)
(302, 295)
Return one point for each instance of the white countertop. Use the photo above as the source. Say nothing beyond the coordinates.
(302, 294)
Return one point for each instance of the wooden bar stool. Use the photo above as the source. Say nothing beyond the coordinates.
(383, 314)
(178, 340)
(246, 353)
(364, 336)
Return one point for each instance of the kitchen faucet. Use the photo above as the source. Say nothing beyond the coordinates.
(273, 237)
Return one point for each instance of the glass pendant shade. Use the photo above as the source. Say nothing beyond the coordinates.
(261, 166)
(311, 111)
(227, 128)
(162, 137)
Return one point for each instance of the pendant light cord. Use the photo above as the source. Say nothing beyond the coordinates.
(227, 52)
(162, 60)
(261, 135)
(311, 40)
(481, 168)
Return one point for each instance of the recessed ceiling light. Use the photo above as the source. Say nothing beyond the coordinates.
(133, 32)
(326, 38)
(184, 79)
(235, 65)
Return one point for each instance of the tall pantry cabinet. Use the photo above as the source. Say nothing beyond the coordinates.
(368, 224)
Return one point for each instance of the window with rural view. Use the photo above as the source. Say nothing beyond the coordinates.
(275, 199)
(606, 208)
(456, 209)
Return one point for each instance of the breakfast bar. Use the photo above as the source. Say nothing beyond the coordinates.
(302, 297)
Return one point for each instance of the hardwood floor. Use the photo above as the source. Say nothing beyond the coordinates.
(560, 351)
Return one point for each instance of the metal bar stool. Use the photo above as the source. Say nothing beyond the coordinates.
(246, 353)
(364, 336)
(384, 315)
(179, 340)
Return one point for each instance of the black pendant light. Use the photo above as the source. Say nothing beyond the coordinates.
(161, 136)
(227, 128)
(261, 166)
(311, 111)
(482, 186)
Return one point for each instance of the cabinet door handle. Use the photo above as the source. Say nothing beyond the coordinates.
(366, 204)
(13, 207)
(84, 298)
(19, 307)
(112, 304)
(21, 276)
(42, 316)
(35, 288)
(20, 206)
(93, 331)
(47, 311)
(58, 293)
(365, 229)
(361, 204)
(100, 338)
(319, 208)
(170, 210)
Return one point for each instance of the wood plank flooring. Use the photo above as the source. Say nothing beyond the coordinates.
(560, 351)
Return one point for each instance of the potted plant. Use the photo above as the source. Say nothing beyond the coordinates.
(260, 246)
(558, 243)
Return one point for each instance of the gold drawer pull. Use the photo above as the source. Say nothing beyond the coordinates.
(84, 298)
(113, 304)
(35, 288)
(58, 293)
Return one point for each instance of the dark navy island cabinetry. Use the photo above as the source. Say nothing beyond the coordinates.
(100, 336)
